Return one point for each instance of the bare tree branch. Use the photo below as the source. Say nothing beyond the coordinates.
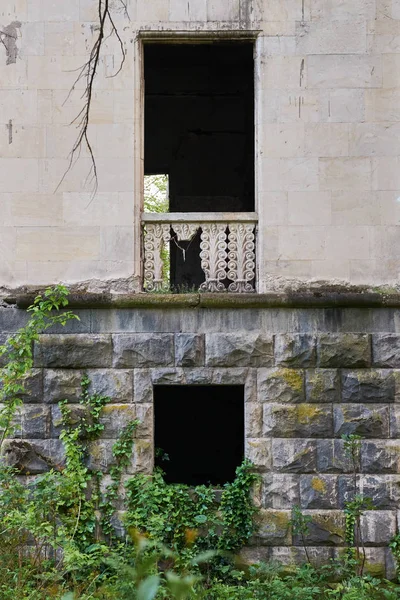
(88, 72)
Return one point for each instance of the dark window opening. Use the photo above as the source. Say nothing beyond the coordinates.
(201, 429)
(199, 123)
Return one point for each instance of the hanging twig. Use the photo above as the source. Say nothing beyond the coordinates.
(88, 73)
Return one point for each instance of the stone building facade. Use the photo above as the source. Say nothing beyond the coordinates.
(316, 355)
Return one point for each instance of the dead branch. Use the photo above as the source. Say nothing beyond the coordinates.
(88, 73)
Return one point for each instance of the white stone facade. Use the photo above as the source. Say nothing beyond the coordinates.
(327, 137)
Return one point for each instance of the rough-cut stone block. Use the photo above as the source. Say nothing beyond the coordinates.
(254, 555)
(294, 456)
(327, 527)
(32, 422)
(281, 385)
(319, 491)
(380, 456)
(77, 413)
(259, 452)
(384, 490)
(273, 527)
(386, 350)
(34, 456)
(239, 350)
(246, 377)
(295, 350)
(115, 417)
(65, 384)
(395, 421)
(168, 376)
(101, 457)
(11, 319)
(33, 385)
(378, 527)
(253, 419)
(142, 385)
(322, 385)
(367, 421)
(115, 384)
(61, 384)
(349, 350)
(143, 457)
(331, 457)
(73, 351)
(372, 385)
(391, 568)
(106, 481)
(301, 420)
(374, 560)
(143, 350)
(145, 414)
(198, 376)
(291, 556)
(189, 350)
(280, 491)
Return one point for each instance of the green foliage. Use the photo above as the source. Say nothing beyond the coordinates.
(156, 194)
(352, 449)
(300, 526)
(18, 352)
(191, 520)
(122, 452)
(156, 200)
(355, 508)
(395, 548)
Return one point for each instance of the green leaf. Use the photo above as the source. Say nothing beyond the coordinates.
(204, 557)
(148, 588)
(201, 519)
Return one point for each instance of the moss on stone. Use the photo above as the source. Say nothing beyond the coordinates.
(110, 408)
(318, 485)
(307, 413)
(293, 377)
(318, 386)
(374, 569)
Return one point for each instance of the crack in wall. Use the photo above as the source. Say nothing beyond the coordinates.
(10, 131)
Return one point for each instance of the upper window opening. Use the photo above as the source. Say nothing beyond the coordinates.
(199, 124)
(199, 432)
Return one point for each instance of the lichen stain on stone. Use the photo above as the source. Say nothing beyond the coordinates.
(8, 37)
(307, 413)
(318, 485)
(293, 378)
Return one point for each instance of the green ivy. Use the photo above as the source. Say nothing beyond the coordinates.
(191, 520)
(18, 352)
(122, 452)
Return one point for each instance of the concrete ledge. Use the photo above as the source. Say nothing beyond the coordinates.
(301, 299)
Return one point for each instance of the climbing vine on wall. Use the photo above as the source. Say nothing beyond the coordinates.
(17, 353)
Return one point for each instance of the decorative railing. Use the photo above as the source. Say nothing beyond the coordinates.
(227, 248)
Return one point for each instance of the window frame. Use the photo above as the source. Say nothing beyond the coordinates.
(189, 37)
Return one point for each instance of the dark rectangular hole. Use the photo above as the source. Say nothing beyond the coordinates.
(201, 429)
(199, 123)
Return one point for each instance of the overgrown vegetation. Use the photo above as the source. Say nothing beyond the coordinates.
(58, 529)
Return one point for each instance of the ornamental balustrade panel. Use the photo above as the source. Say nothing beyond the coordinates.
(227, 248)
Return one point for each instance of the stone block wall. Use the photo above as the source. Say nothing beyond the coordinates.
(309, 375)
